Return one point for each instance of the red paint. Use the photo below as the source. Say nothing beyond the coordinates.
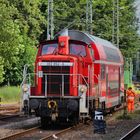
(82, 65)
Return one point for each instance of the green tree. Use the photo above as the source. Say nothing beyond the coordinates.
(73, 13)
(21, 25)
(1, 70)
(10, 40)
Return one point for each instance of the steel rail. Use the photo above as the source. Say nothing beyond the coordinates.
(131, 133)
(3, 108)
(8, 111)
(16, 135)
(9, 116)
(61, 132)
(26, 132)
(57, 133)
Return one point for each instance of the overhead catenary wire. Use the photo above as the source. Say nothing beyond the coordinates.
(69, 25)
(88, 21)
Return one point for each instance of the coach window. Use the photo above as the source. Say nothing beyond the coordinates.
(122, 69)
(102, 71)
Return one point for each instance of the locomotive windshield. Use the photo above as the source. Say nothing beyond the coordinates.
(77, 49)
(49, 48)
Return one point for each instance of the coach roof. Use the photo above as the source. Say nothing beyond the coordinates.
(104, 46)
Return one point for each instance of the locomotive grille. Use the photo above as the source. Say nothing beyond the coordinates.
(54, 80)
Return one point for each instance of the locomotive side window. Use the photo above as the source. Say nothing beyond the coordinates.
(112, 54)
(77, 49)
(92, 53)
(102, 71)
(49, 48)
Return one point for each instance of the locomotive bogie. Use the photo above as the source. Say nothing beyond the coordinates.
(54, 109)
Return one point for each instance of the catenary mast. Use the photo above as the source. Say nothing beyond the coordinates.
(89, 16)
(115, 26)
(50, 25)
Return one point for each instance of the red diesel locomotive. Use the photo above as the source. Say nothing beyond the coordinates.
(74, 74)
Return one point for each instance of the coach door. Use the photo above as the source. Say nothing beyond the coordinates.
(119, 87)
(107, 83)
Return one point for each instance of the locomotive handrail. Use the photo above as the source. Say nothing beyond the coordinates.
(29, 74)
(68, 74)
(23, 82)
(25, 70)
(24, 73)
(54, 74)
(27, 80)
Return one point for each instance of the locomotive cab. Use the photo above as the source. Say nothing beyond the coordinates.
(61, 87)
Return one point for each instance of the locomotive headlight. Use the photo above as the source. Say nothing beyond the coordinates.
(25, 88)
(52, 104)
(62, 44)
(83, 88)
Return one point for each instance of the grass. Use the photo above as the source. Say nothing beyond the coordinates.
(9, 94)
(134, 88)
(137, 91)
(124, 117)
(137, 112)
(129, 116)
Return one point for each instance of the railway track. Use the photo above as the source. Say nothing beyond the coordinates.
(19, 134)
(133, 134)
(9, 111)
(58, 133)
(39, 134)
(6, 113)
(4, 117)
(8, 107)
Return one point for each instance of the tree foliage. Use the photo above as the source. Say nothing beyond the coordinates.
(23, 23)
(10, 40)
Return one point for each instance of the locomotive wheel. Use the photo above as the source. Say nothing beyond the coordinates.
(74, 119)
(44, 122)
(86, 120)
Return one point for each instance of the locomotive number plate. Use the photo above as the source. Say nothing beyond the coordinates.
(55, 64)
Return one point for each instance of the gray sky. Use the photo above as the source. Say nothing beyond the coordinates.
(138, 7)
(138, 11)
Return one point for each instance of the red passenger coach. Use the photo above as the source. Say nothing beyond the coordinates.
(74, 74)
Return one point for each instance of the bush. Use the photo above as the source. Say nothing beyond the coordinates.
(10, 94)
(124, 117)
